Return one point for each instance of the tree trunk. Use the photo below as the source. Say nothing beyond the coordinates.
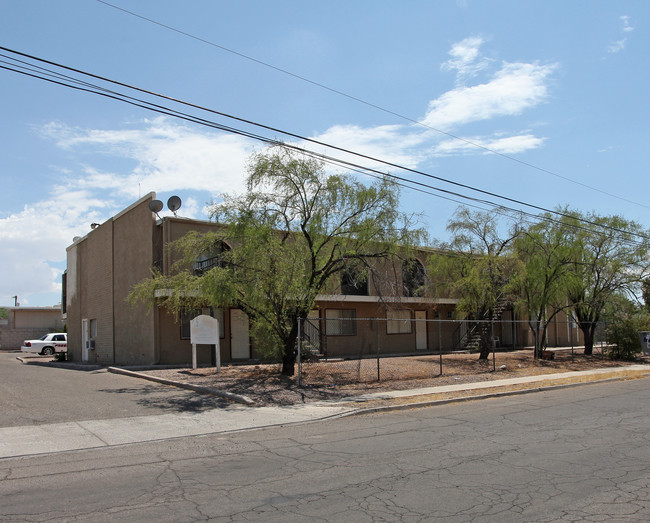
(290, 352)
(588, 332)
(485, 339)
(289, 361)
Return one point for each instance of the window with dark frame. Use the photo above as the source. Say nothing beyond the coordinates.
(398, 321)
(340, 322)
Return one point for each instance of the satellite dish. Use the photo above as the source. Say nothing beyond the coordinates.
(155, 206)
(174, 203)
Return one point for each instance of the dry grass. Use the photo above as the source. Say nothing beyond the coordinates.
(335, 380)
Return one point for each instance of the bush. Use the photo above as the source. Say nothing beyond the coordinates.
(623, 337)
(60, 356)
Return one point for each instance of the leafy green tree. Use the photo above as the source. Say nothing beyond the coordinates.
(610, 257)
(645, 293)
(476, 266)
(290, 234)
(544, 252)
(624, 320)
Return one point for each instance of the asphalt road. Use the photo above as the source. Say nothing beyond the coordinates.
(33, 394)
(577, 454)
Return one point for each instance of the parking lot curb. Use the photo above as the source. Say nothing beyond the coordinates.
(31, 360)
(245, 400)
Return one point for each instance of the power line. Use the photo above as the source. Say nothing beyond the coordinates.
(61, 79)
(369, 104)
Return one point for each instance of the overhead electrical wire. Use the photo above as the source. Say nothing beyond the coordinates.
(35, 71)
(369, 104)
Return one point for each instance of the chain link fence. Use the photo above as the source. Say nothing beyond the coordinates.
(345, 350)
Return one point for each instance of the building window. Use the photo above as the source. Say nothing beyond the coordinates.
(413, 278)
(340, 322)
(399, 321)
(187, 315)
(354, 282)
(214, 257)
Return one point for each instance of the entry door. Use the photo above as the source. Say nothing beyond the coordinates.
(85, 339)
(239, 337)
(421, 330)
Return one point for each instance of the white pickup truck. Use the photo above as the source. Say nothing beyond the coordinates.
(48, 344)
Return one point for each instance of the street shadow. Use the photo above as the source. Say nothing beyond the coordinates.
(164, 400)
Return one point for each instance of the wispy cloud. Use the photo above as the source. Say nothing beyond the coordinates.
(514, 88)
(166, 156)
(504, 145)
(626, 27)
(466, 59)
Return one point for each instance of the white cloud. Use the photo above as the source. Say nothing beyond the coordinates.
(36, 237)
(398, 144)
(166, 157)
(504, 145)
(513, 89)
(465, 58)
(619, 45)
(627, 26)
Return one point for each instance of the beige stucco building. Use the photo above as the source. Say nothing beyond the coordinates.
(105, 265)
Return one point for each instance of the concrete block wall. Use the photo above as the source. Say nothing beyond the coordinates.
(12, 339)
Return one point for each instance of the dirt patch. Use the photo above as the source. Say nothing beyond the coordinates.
(337, 380)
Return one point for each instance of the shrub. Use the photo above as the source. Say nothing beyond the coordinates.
(623, 336)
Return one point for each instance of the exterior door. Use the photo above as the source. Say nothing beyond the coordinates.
(421, 331)
(85, 339)
(239, 338)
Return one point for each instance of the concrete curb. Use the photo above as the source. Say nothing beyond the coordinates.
(27, 360)
(544, 385)
(197, 388)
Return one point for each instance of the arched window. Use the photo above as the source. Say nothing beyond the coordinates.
(413, 278)
(354, 282)
(212, 258)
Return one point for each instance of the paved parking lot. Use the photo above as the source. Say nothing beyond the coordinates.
(34, 394)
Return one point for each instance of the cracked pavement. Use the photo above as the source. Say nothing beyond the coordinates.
(579, 454)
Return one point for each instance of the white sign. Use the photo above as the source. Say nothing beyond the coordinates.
(204, 330)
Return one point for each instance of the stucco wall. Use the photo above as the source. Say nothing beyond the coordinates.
(133, 258)
(102, 268)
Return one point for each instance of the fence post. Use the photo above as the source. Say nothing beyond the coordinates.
(299, 351)
(377, 333)
(494, 346)
(571, 333)
(440, 341)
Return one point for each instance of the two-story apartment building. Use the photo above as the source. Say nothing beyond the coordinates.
(105, 265)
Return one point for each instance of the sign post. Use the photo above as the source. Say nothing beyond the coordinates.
(205, 330)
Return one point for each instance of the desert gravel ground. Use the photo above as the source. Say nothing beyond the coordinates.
(336, 380)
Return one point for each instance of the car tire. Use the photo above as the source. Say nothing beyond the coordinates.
(47, 351)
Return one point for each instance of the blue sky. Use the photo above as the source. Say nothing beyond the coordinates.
(558, 87)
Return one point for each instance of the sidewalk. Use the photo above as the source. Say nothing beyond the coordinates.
(60, 437)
